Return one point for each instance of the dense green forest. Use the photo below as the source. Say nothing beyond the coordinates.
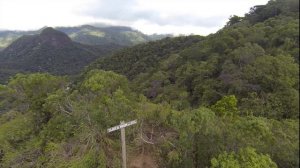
(227, 100)
(255, 58)
(50, 51)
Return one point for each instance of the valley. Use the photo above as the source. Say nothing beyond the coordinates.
(226, 100)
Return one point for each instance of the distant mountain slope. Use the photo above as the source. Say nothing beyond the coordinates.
(144, 57)
(90, 35)
(101, 35)
(7, 37)
(51, 51)
(255, 58)
(230, 99)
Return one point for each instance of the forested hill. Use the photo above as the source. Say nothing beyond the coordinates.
(255, 58)
(50, 51)
(90, 35)
(144, 57)
(228, 100)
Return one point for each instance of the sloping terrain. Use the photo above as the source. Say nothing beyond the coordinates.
(90, 35)
(51, 51)
(255, 58)
(7, 37)
(144, 57)
(228, 100)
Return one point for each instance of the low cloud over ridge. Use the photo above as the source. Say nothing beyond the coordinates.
(155, 16)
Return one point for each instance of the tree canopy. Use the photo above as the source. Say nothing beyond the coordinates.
(228, 100)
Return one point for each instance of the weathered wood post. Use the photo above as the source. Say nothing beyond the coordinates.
(123, 142)
(124, 158)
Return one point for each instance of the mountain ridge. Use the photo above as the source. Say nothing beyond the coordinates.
(228, 100)
(50, 51)
(231, 61)
(89, 34)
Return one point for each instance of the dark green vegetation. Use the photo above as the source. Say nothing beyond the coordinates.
(144, 57)
(228, 100)
(51, 51)
(255, 58)
(90, 35)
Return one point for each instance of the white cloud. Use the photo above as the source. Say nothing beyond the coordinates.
(33, 14)
(155, 16)
(151, 28)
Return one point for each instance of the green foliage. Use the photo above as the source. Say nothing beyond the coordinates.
(225, 160)
(264, 70)
(233, 20)
(227, 106)
(226, 100)
(89, 160)
(59, 128)
(278, 77)
(35, 86)
(99, 81)
(13, 135)
(16, 131)
(3, 97)
(107, 96)
(30, 91)
(273, 9)
(50, 51)
(255, 58)
(143, 57)
(79, 119)
(246, 158)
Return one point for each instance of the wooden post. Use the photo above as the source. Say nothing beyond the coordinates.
(123, 145)
(122, 128)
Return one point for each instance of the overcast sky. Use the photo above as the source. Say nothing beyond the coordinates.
(149, 16)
